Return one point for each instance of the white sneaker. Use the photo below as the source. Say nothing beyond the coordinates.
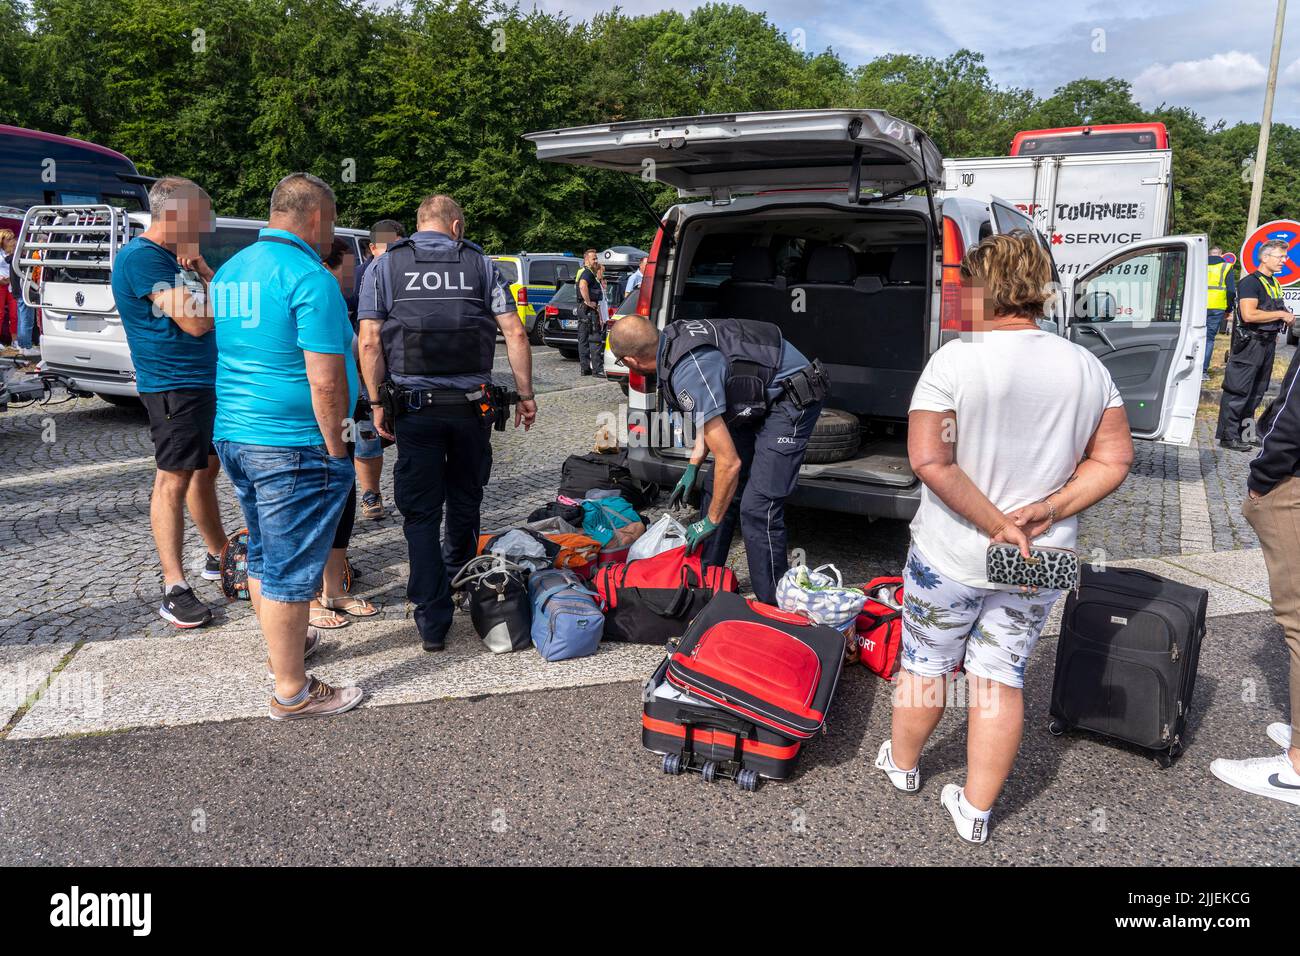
(972, 831)
(1266, 776)
(909, 781)
(1280, 734)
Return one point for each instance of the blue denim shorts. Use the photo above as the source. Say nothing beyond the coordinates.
(292, 499)
(367, 439)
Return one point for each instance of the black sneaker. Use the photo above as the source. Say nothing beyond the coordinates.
(1233, 445)
(212, 568)
(182, 608)
(433, 647)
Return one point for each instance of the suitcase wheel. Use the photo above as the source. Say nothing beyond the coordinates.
(1056, 728)
(673, 764)
(709, 771)
(1164, 759)
(748, 780)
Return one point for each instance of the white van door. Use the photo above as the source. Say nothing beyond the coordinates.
(1141, 311)
(718, 156)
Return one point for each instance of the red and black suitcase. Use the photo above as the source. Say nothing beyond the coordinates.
(770, 673)
(695, 735)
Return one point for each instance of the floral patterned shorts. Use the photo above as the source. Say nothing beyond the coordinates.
(992, 632)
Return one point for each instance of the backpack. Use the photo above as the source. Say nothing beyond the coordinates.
(567, 621)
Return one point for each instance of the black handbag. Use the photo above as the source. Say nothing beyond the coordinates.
(499, 607)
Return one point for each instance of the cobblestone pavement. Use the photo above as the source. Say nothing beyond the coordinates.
(80, 564)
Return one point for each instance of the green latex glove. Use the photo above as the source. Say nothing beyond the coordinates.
(684, 486)
(697, 532)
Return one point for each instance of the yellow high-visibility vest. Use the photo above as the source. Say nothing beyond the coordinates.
(1218, 278)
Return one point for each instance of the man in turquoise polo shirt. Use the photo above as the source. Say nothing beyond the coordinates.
(286, 387)
(159, 289)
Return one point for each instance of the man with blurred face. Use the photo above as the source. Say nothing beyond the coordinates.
(160, 287)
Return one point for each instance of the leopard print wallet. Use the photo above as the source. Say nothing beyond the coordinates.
(1048, 569)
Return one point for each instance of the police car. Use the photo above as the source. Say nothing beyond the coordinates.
(534, 278)
(829, 223)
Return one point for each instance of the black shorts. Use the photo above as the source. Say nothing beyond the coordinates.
(180, 424)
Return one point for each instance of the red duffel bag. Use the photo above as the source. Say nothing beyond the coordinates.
(880, 626)
(649, 600)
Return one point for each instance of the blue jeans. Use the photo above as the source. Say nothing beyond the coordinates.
(26, 325)
(1213, 322)
(292, 499)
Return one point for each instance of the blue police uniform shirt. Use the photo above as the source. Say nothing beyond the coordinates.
(377, 298)
(633, 283)
(699, 381)
(272, 301)
(165, 356)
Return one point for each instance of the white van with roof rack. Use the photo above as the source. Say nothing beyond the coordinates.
(828, 223)
(65, 257)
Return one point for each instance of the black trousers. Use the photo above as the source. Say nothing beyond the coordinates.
(771, 454)
(1245, 381)
(591, 341)
(444, 459)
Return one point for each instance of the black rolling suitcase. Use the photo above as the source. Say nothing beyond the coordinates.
(1126, 660)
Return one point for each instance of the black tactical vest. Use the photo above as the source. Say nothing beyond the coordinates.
(438, 322)
(753, 354)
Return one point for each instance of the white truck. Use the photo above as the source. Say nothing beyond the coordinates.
(1086, 204)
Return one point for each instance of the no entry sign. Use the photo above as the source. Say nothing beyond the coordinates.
(1288, 231)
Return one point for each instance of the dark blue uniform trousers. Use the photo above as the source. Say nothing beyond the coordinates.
(444, 458)
(771, 454)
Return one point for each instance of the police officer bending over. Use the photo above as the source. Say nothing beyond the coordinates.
(1261, 315)
(430, 308)
(754, 399)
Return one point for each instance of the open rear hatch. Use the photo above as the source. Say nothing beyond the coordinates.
(722, 155)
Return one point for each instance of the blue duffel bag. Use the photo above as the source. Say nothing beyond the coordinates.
(567, 620)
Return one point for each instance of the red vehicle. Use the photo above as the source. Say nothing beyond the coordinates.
(1111, 138)
(42, 168)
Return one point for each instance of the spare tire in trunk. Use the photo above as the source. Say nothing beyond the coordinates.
(835, 437)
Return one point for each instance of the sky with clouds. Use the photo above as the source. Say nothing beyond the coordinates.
(1211, 57)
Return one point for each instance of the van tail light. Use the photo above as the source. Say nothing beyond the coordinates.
(638, 383)
(950, 312)
(643, 300)
(521, 297)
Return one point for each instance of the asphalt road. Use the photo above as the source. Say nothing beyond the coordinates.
(560, 777)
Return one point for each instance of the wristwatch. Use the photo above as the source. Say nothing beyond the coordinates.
(528, 398)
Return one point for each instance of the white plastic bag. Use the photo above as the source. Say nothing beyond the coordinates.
(663, 535)
(820, 597)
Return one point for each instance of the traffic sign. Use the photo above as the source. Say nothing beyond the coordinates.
(1229, 258)
(1288, 231)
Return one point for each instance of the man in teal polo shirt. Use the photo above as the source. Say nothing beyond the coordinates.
(159, 289)
(286, 387)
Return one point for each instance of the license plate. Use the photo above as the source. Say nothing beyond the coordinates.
(569, 324)
(85, 323)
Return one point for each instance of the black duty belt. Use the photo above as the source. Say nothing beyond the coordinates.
(418, 398)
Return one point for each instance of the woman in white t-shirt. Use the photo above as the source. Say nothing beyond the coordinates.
(1012, 431)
